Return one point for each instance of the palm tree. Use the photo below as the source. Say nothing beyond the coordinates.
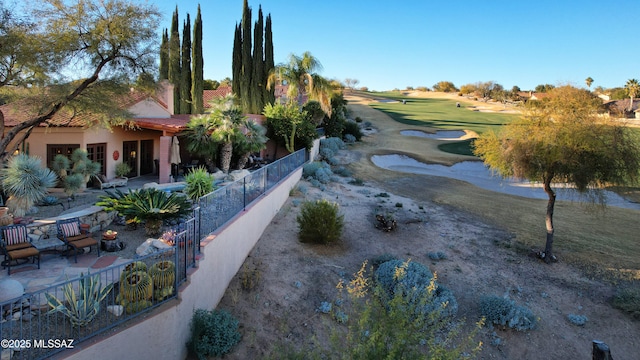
(219, 127)
(588, 81)
(633, 87)
(300, 74)
(252, 139)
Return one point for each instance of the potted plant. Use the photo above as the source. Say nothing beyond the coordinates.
(122, 170)
(109, 235)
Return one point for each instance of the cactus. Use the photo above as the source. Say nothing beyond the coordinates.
(132, 267)
(163, 274)
(137, 286)
(80, 308)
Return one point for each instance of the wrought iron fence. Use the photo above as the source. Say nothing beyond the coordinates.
(142, 284)
(221, 205)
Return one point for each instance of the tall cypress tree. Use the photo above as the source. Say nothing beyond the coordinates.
(197, 86)
(236, 64)
(174, 61)
(164, 56)
(269, 64)
(185, 69)
(257, 77)
(245, 76)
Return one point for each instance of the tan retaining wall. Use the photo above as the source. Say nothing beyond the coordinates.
(164, 332)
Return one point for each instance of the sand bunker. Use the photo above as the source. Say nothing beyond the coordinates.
(440, 135)
(476, 173)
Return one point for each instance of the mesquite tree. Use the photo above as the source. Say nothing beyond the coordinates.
(562, 139)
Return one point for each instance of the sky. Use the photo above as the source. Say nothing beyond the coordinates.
(387, 44)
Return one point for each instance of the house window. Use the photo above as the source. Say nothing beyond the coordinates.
(97, 153)
(57, 149)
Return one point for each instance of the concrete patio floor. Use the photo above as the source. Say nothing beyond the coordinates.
(56, 268)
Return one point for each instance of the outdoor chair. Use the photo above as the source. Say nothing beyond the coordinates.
(74, 237)
(15, 243)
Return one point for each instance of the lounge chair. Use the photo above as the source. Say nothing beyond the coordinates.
(15, 244)
(104, 183)
(74, 238)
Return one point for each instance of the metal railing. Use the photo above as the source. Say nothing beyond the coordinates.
(224, 203)
(40, 333)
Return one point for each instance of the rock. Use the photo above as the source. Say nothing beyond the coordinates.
(115, 309)
(16, 315)
(159, 244)
(145, 248)
(10, 289)
(237, 175)
(27, 317)
(219, 175)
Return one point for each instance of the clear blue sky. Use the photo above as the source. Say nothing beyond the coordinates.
(387, 44)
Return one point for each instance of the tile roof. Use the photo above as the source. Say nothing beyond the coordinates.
(175, 123)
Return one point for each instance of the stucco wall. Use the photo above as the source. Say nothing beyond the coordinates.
(164, 334)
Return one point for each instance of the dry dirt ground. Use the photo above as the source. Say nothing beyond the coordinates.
(295, 278)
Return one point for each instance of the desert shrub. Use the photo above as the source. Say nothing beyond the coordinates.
(323, 175)
(349, 139)
(384, 326)
(353, 128)
(381, 259)
(628, 300)
(320, 222)
(249, 277)
(413, 280)
(213, 333)
(438, 255)
(342, 171)
(500, 311)
(398, 204)
(358, 119)
(578, 320)
(382, 194)
(333, 143)
(357, 182)
(49, 200)
(309, 169)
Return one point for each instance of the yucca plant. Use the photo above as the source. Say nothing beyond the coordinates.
(151, 206)
(74, 173)
(199, 183)
(80, 308)
(26, 182)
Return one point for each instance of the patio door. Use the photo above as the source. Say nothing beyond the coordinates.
(130, 156)
(97, 153)
(146, 157)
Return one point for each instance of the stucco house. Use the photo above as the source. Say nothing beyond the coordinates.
(145, 146)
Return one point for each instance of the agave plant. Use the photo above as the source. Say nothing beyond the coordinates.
(150, 206)
(82, 307)
(26, 182)
(199, 183)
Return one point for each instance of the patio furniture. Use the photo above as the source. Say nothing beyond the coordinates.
(16, 245)
(74, 237)
(103, 182)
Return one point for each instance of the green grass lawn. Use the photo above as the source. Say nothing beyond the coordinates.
(439, 113)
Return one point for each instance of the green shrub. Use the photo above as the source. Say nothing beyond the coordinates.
(122, 169)
(320, 222)
(310, 169)
(384, 326)
(505, 312)
(213, 333)
(199, 183)
(413, 280)
(628, 300)
(353, 128)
